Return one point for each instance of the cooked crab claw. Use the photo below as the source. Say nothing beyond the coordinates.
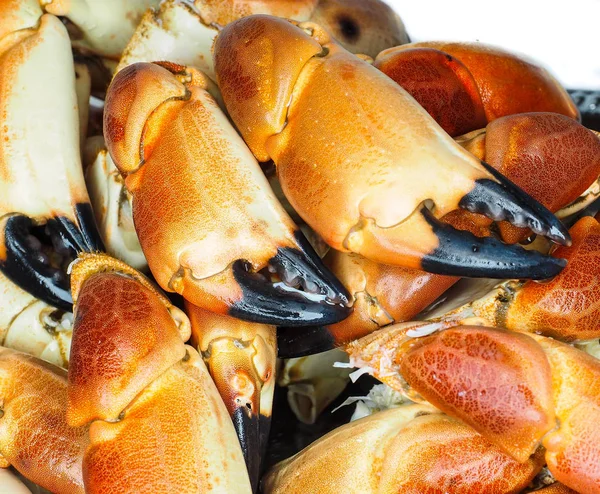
(241, 359)
(367, 193)
(225, 244)
(45, 215)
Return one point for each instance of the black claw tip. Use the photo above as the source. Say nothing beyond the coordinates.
(309, 294)
(253, 433)
(461, 253)
(300, 342)
(27, 267)
(500, 200)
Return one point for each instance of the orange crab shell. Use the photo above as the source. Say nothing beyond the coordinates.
(144, 338)
(411, 449)
(567, 307)
(508, 84)
(517, 145)
(286, 58)
(34, 435)
(440, 83)
(496, 381)
(573, 449)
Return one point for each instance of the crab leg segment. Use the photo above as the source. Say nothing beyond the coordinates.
(154, 409)
(42, 184)
(241, 359)
(379, 168)
(34, 435)
(206, 235)
(410, 449)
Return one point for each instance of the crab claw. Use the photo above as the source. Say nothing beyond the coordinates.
(240, 357)
(42, 194)
(389, 161)
(226, 246)
(506, 83)
(411, 448)
(381, 295)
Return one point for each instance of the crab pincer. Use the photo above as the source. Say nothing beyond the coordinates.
(371, 171)
(208, 222)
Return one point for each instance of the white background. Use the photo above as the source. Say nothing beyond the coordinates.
(563, 36)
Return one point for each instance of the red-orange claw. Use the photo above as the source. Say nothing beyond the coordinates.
(568, 307)
(34, 435)
(440, 84)
(498, 382)
(550, 156)
(410, 450)
(508, 84)
(127, 334)
(261, 104)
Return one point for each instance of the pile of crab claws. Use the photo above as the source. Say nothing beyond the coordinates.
(241, 359)
(231, 276)
(375, 220)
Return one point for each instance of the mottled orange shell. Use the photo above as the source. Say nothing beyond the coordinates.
(124, 338)
(34, 435)
(568, 307)
(251, 91)
(497, 381)
(556, 488)
(166, 442)
(383, 294)
(440, 84)
(551, 157)
(508, 84)
(572, 451)
(387, 453)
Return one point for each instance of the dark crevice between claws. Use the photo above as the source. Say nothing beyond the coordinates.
(502, 200)
(300, 342)
(460, 253)
(37, 257)
(253, 433)
(308, 293)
